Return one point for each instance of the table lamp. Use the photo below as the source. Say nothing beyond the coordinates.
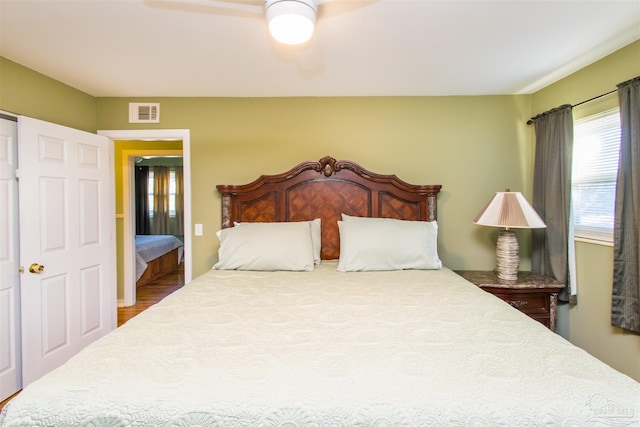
(508, 209)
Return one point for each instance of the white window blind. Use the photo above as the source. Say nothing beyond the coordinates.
(595, 166)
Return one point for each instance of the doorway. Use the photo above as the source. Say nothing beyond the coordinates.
(128, 297)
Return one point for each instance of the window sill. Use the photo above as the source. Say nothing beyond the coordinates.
(593, 241)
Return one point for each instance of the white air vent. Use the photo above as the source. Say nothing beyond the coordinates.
(144, 112)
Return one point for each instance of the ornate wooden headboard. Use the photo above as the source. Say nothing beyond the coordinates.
(325, 189)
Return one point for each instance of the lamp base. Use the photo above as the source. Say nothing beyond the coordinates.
(507, 255)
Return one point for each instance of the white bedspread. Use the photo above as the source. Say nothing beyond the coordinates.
(150, 247)
(322, 348)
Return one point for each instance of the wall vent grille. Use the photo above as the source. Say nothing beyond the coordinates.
(144, 112)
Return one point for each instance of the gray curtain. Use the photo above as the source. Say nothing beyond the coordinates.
(179, 201)
(160, 224)
(552, 197)
(625, 303)
(143, 225)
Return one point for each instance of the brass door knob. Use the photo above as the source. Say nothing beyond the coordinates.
(36, 268)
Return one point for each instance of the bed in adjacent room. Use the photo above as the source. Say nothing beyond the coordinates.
(329, 306)
(156, 256)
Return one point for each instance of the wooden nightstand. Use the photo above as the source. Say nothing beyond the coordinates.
(533, 294)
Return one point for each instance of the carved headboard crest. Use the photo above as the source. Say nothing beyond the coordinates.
(325, 189)
(328, 165)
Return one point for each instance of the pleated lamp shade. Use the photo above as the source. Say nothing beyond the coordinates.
(509, 210)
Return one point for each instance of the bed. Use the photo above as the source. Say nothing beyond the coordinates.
(340, 342)
(156, 256)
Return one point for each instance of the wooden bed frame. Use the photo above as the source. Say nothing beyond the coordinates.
(325, 189)
(159, 267)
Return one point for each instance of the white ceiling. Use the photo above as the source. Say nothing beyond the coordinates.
(360, 48)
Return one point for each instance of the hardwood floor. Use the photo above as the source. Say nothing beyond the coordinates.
(146, 296)
(4, 402)
(152, 293)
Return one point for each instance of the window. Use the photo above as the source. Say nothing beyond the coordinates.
(595, 165)
(172, 192)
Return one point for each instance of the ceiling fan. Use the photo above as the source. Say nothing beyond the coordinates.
(290, 22)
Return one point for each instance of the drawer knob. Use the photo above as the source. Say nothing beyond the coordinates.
(518, 304)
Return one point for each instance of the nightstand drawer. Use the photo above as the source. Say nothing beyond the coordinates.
(533, 294)
(527, 303)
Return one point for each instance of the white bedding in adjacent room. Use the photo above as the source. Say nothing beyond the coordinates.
(325, 348)
(150, 247)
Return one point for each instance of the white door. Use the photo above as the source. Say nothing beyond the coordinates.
(10, 364)
(67, 243)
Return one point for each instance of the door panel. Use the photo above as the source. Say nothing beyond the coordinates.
(55, 328)
(69, 228)
(89, 212)
(90, 290)
(10, 361)
(52, 221)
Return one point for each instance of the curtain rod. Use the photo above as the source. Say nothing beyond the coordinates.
(594, 98)
(579, 103)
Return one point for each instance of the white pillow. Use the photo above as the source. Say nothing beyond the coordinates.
(370, 244)
(266, 247)
(346, 217)
(316, 236)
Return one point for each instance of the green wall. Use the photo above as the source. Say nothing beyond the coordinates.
(473, 146)
(587, 324)
(29, 93)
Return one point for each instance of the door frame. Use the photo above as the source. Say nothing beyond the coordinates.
(128, 182)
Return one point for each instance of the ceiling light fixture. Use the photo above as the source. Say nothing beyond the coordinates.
(291, 21)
